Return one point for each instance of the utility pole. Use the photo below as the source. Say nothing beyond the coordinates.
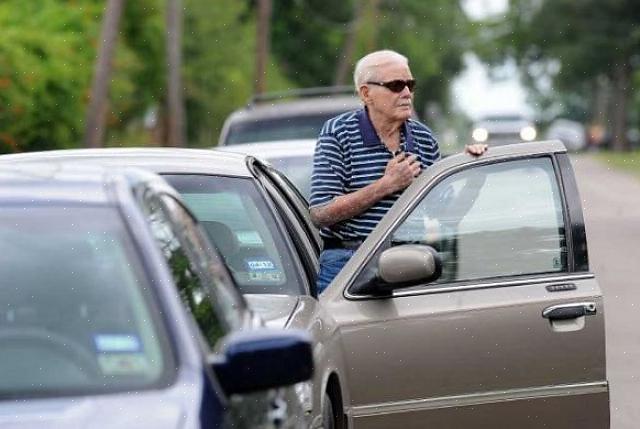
(98, 98)
(263, 36)
(175, 106)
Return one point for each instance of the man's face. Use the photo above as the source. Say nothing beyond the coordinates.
(391, 105)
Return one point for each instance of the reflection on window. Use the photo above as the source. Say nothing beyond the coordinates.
(185, 275)
(497, 220)
(76, 311)
(241, 225)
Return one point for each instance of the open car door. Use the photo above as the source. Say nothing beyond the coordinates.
(472, 303)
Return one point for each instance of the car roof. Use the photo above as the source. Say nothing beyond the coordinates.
(60, 183)
(159, 160)
(274, 149)
(296, 107)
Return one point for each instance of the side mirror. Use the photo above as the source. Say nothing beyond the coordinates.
(262, 359)
(404, 266)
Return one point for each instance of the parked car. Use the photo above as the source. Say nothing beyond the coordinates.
(573, 134)
(99, 268)
(503, 129)
(471, 304)
(290, 115)
(294, 158)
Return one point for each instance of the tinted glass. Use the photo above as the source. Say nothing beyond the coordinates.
(497, 220)
(214, 311)
(284, 128)
(298, 169)
(76, 311)
(242, 226)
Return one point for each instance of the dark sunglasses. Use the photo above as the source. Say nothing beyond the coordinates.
(397, 85)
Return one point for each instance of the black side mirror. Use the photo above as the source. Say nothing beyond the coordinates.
(262, 359)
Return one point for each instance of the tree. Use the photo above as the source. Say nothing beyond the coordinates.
(96, 112)
(575, 45)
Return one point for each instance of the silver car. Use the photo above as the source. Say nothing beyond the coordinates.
(294, 158)
(289, 115)
(470, 305)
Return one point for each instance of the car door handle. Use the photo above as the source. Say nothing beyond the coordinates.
(569, 311)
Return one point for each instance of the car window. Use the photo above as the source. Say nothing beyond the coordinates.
(496, 220)
(77, 311)
(298, 169)
(202, 288)
(242, 226)
(283, 128)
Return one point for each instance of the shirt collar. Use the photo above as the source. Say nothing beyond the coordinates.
(369, 135)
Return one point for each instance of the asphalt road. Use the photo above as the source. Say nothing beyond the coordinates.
(611, 204)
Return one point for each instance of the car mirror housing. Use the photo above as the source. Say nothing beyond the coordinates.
(405, 266)
(263, 359)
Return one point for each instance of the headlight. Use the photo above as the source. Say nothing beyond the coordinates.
(528, 133)
(480, 135)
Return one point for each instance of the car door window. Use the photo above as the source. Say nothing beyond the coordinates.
(242, 226)
(199, 277)
(503, 219)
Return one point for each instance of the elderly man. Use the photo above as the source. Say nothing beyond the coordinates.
(364, 159)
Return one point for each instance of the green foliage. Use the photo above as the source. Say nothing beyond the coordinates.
(566, 42)
(307, 38)
(45, 68)
(47, 54)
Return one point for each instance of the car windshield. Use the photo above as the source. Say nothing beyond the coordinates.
(238, 221)
(298, 169)
(283, 128)
(76, 314)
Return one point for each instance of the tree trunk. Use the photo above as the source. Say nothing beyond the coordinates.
(98, 98)
(620, 101)
(175, 105)
(345, 62)
(263, 36)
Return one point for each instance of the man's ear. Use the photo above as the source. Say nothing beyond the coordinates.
(363, 91)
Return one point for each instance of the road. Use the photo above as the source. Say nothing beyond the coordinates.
(611, 203)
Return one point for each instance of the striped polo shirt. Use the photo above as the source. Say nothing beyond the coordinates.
(349, 156)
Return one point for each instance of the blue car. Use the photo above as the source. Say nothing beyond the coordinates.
(116, 312)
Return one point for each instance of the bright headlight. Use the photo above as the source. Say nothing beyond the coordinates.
(480, 135)
(528, 133)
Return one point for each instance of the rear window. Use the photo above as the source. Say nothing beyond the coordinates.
(284, 128)
(75, 308)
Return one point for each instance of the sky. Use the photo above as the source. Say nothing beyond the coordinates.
(474, 92)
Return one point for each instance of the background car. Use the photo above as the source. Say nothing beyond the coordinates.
(503, 129)
(290, 115)
(469, 305)
(117, 312)
(573, 134)
(294, 158)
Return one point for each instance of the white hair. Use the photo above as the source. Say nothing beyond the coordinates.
(367, 67)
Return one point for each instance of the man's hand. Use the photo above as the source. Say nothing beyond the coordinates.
(401, 171)
(476, 149)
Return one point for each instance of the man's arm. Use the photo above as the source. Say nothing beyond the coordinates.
(399, 174)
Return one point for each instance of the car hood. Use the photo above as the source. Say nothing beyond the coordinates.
(275, 310)
(139, 410)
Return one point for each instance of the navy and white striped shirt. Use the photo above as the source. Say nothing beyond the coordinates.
(349, 156)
